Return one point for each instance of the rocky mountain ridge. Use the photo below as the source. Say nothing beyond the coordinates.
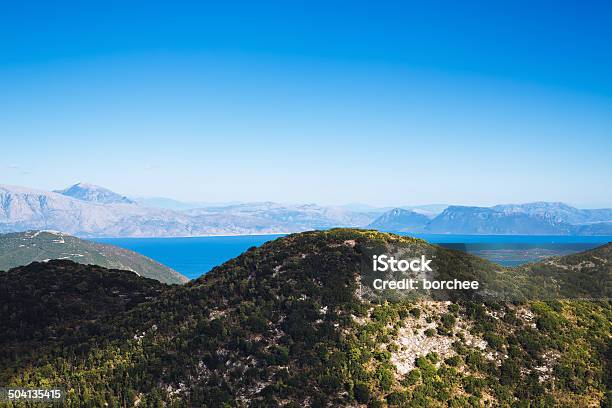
(100, 214)
(93, 193)
(540, 218)
(90, 211)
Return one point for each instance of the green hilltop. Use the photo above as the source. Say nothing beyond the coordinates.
(23, 248)
(290, 324)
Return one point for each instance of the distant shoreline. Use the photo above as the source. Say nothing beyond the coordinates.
(432, 238)
(194, 236)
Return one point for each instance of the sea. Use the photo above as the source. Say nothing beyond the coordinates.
(194, 256)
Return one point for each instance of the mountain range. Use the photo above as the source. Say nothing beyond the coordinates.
(23, 248)
(540, 218)
(87, 210)
(296, 322)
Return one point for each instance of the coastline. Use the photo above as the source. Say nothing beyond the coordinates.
(190, 236)
(607, 238)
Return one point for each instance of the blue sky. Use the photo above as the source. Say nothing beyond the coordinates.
(385, 103)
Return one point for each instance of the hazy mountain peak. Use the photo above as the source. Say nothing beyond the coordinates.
(535, 206)
(88, 210)
(557, 211)
(94, 193)
(399, 219)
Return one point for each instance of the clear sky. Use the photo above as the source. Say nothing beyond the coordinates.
(386, 103)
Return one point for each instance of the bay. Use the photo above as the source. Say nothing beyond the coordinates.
(191, 256)
(194, 256)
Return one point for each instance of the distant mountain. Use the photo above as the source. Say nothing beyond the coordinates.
(94, 194)
(484, 220)
(430, 210)
(540, 218)
(24, 209)
(17, 249)
(166, 203)
(399, 220)
(90, 211)
(558, 212)
(280, 217)
(175, 205)
(596, 228)
(298, 322)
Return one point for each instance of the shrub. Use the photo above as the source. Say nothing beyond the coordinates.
(412, 377)
(385, 378)
(509, 372)
(362, 393)
(453, 361)
(493, 340)
(448, 320)
(433, 357)
(398, 398)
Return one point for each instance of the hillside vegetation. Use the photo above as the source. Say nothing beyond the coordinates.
(23, 248)
(291, 323)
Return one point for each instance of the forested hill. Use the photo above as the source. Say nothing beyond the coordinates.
(48, 305)
(23, 248)
(291, 324)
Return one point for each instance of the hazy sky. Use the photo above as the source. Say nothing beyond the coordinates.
(331, 102)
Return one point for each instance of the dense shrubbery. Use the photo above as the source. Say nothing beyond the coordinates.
(282, 324)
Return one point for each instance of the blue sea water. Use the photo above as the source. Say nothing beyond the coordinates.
(513, 239)
(194, 256)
